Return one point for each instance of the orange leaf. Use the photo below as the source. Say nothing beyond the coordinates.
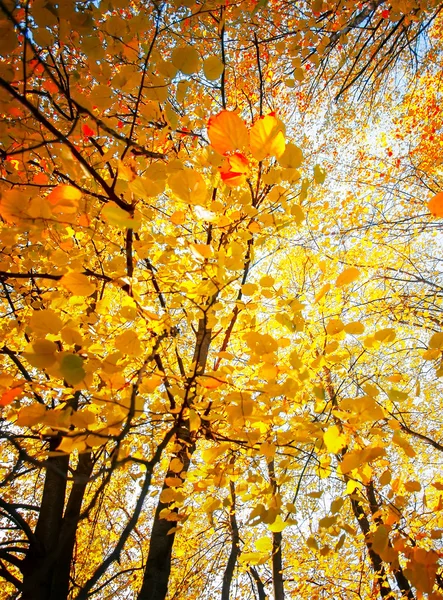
(63, 194)
(227, 132)
(435, 205)
(10, 395)
(235, 170)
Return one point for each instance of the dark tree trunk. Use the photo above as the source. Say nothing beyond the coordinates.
(235, 548)
(158, 564)
(65, 549)
(37, 570)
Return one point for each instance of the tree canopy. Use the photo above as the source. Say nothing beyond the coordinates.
(221, 299)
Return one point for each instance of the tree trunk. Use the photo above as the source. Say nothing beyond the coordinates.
(400, 577)
(235, 548)
(260, 587)
(65, 549)
(158, 564)
(37, 570)
(277, 538)
(377, 563)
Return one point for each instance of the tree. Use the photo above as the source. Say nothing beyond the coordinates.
(215, 364)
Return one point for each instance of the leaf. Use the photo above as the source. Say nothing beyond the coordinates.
(319, 174)
(278, 525)
(176, 465)
(227, 132)
(10, 395)
(31, 415)
(347, 276)
(354, 328)
(248, 289)
(45, 321)
(128, 342)
(65, 194)
(186, 59)
(436, 341)
(267, 137)
(435, 205)
(292, 157)
(188, 185)
(334, 327)
(334, 440)
(323, 291)
(213, 68)
(234, 170)
(41, 354)
(385, 335)
(78, 284)
(263, 544)
(119, 217)
(71, 367)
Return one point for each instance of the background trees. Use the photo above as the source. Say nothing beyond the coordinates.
(221, 300)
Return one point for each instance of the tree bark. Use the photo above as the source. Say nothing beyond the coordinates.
(400, 577)
(277, 538)
(260, 587)
(235, 548)
(65, 548)
(377, 563)
(158, 564)
(37, 570)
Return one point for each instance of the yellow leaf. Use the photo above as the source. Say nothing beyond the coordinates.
(227, 132)
(351, 460)
(42, 354)
(347, 277)
(292, 157)
(128, 343)
(194, 420)
(201, 251)
(354, 328)
(78, 284)
(436, 341)
(248, 289)
(311, 543)
(267, 137)
(213, 68)
(385, 335)
(334, 326)
(263, 544)
(188, 185)
(187, 59)
(298, 214)
(119, 217)
(435, 205)
(66, 445)
(31, 415)
(151, 383)
(323, 291)
(278, 525)
(267, 281)
(45, 321)
(319, 174)
(334, 440)
(210, 383)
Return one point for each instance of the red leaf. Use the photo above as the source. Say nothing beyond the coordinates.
(87, 131)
